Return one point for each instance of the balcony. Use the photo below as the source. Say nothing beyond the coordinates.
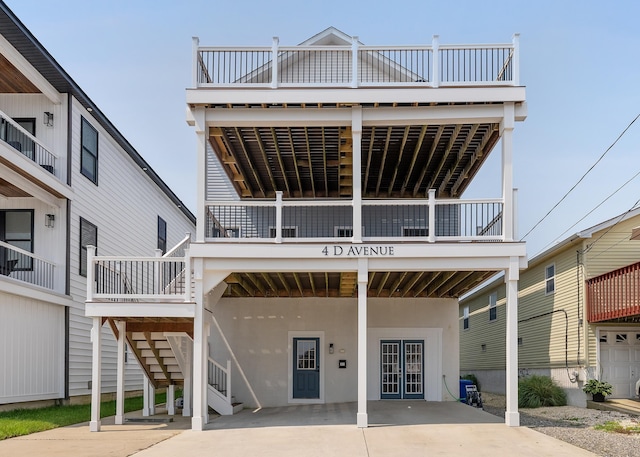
(356, 65)
(614, 296)
(24, 266)
(416, 220)
(15, 136)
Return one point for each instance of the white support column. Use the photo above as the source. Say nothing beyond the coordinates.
(196, 64)
(516, 59)
(435, 47)
(356, 133)
(363, 277)
(171, 400)
(146, 410)
(278, 216)
(199, 418)
(274, 62)
(512, 274)
(96, 373)
(148, 398)
(506, 131)
(201, 179)
(122, 328)
(432, 216)
(354, 61)
(187, 400)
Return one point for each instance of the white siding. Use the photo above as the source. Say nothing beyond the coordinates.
(32, 356)
(219, 186)
(125, 206)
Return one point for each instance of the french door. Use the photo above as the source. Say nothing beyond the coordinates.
(402, 369)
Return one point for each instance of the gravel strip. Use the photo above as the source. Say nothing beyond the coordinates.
(575, 426)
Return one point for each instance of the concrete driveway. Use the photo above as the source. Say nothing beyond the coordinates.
(397, 428)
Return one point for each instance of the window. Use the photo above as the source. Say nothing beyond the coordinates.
(415, 231)
(493, 310)
(621, 337)
(89, 151)
(287, 232)
(343, 232)
(550, 279)
(162, 235)
(465, 318)
(226, 232)
(16, 229)
(88, 236)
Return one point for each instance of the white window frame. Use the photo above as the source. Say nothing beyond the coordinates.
(465, 318)
(415, 227)
(549, 279)
(272, 231)
(493, 306)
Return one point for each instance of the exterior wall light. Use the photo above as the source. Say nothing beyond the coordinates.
(48, 119)
(49, 220)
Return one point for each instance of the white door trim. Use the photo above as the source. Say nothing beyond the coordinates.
(304, 334)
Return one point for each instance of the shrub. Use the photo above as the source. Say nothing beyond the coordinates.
(535, 391)
(471, 377)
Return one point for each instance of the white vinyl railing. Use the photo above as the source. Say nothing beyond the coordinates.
(219, 378)
(335, 66)
(118, 278)
(24, 266)
(423, 220)
(28, 145)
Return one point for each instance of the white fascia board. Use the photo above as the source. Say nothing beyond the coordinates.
(18, 61)
(206, 96)
(23, 289)
(385, 116)
(341, 257)
(139, 309)
(37, 191)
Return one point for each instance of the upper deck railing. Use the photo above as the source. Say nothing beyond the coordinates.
(432, 65)
(24, 266)
(26, 144)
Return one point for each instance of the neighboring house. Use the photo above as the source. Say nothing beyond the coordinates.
(68, 179)
(332, 241)
(578, 319)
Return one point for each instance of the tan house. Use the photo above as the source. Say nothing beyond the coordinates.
(579, 315)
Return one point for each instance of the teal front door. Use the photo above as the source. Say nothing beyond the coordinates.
(306, 368)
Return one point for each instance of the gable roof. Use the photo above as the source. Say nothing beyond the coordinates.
(16, 33)
(330, 36)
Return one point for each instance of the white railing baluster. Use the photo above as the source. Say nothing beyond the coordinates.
(278, 217)
(432, 216)
(516, 60)
(435, 46)
(274, 62)
(91, 253)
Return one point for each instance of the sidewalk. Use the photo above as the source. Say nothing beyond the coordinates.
(78, 441)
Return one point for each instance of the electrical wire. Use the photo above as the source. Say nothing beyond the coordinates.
(635, 205)
(582, 178)
(595, 208)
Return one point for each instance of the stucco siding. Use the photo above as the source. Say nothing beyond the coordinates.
(258, 332)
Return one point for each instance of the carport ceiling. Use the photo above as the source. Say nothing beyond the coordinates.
(429, 284)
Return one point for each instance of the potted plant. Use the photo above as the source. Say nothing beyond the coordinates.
(597, 389)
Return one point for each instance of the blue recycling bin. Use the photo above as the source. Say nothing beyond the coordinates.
(463, 389)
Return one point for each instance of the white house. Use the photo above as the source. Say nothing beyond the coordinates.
(332, 241)
(68, 179)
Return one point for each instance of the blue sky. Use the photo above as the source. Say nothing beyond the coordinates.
(578, 60)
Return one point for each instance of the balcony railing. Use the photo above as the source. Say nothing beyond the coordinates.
(429, 220)
(134, 279)
(335, 66)
(24, 266)
(26, 144)
(614, 295)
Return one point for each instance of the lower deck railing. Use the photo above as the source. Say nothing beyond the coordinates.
(24, 266)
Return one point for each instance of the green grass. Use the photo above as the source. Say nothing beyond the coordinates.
(25, 421)
(617, 427)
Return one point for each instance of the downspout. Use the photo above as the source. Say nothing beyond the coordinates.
(67, 274)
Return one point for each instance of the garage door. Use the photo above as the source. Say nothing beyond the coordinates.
(620, 360)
